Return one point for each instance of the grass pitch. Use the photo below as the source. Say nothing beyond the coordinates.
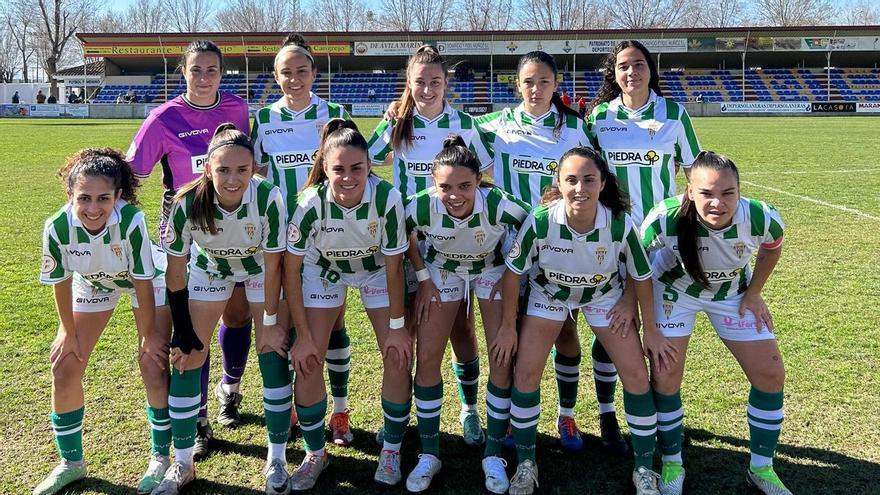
(823, 174)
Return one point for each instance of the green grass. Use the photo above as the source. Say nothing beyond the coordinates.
(825, 296)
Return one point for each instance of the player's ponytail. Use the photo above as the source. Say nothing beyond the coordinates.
(539, 57)
(610, 89)
(402, 134)
(100, 162)
(687, 222)
(335, 134)
(455, 153)
(294, 42)
(611, 196)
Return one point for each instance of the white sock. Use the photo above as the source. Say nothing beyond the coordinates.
(391, 446)
(469, 408)
(761, 461)
(319, 453)
(230, 387)
(606, 408)
(277, 451)
(565, 411)
(672, 458)
(184, 456)
(340, 404)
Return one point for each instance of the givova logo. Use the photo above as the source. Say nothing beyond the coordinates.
(529, 165)
(632, 157)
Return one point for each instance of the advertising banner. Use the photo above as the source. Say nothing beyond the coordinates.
(766, 107)
(367, 109)
(45, 110)
(76, 110)
(477, 108)
(385, 48)
(464, 47)
(14, 110)
(868, 107)
(823, 107)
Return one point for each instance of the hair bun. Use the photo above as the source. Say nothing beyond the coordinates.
(296, 39)
(454, 140)
(427, 48)
(226, 126)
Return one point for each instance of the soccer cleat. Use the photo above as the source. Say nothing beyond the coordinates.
(176, 477)
(276, 477)
(65, 473)
(496, 475)
(306, 475)
(388, 471)
(569, 435)
(671, 478)
(155, 472)
(380, 436)
(204, 435)
(764, 478)
(420, 478)
(645, 481)
(340, 428)
(612, 440)
(472, 431)
(525, 480)
(509, 442)
(229, 404)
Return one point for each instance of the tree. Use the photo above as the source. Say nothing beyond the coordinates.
(58, 21)
(145, 16)
(189, 16)
(860, 13)
(398, 15)
(485, 15)
(7, 55)
(259, 16)
(431, 15)
(640, 14)
(793, 12)
(720, 13)
(21, 19)
(561, 14)
(340, 15)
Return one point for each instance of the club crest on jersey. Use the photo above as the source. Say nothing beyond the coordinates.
(117, 250)
(372, 228)
(48, 265)
(250, 229)
(514, 251)
(667, 308)
(325, 283)
(653, 127)
(293, 234)
(740, 248)
(480, 237)
(600, 254)
(444, 274)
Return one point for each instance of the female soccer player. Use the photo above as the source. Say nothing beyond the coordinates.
(177, 135)
(464, 222)
(347, 230)
(95, 249)
(571, 247)
(702, 243)
(423, 120)
(645, 138)
(235, 223)
(286, 135)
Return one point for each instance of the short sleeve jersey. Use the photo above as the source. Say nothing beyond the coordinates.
(466, 245)
(243, 235)
(286, 141)
(412, 164)
(348, 240)
(108, 260)
(724, 254)
(177, 133)
(527, 149)
(642, 146)
(575, 268)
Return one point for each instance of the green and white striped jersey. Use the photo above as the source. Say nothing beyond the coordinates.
(642, 147)
(109, 260)
(467, 245)
(725, 254)
(526, 149)
(236, 250)
(412, 165)
(575, 268)
(348, 240)
(287, 141)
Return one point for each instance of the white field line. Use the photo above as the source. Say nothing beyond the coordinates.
(818, 172)
(816, 201)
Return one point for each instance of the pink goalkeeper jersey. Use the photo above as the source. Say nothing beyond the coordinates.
(176, 134)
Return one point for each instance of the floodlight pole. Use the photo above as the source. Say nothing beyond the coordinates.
(828, 74)
(743, 75)
(492, 70)
(165, 63)
(247, 82)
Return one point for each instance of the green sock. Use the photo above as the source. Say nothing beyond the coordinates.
(765, 418)
(567, 375)
(396, 418)
(641, 416)
(184, 397)
(429, 400)
(497, 418)
(311, 424)
(468, 377)
(605, 377)
(670, 416)
(525, 410)
(277, 395)
(338, 361)
(160, 429)
(68, 434)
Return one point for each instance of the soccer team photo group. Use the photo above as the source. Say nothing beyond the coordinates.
(442, 298)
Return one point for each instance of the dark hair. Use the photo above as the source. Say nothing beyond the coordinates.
(202, 212)
(611, 196)
(539, 57)
(403, 128)
(100, 162)
(688, 221)
(335, 133)
(455, 153)
(296, 43)
(610, 89)
(196, 47)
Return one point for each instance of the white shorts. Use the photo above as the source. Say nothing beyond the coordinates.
(455, 287)
(206, 287)
(88, 299)
(676, 313)
(319, 292)
(596, 312)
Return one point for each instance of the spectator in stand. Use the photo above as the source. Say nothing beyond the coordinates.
(15, 98)
(41, 98)
(566, 99)
(120, 98)
(699, 98)
(52, 100)
(582, 107)
(371, 94)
